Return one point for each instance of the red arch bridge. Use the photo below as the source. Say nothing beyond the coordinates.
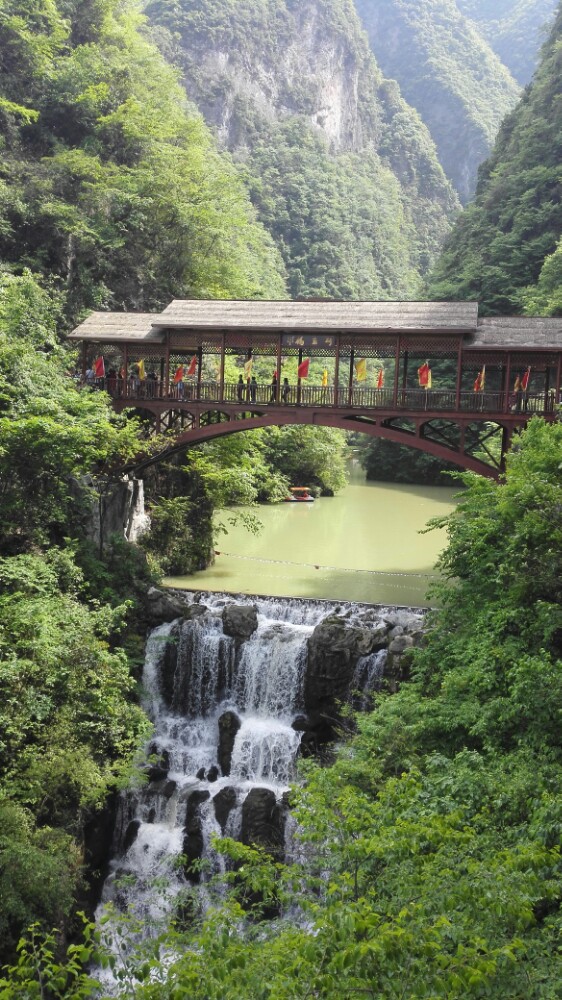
(432, 375)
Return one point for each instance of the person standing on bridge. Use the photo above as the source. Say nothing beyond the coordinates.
(240, 389)
(253, 389)
(285, 390)
(273, 395)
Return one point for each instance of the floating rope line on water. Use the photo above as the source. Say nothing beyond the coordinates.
(332, 569)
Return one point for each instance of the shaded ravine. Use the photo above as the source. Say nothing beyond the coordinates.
(233, 691)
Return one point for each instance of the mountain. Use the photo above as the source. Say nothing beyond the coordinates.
(342, 172)
(515, 29)
(448, 72)
(111, 186)
(504, 249)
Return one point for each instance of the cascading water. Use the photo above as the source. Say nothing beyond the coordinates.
(227, 709)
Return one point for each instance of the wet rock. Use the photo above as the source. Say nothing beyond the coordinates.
(131, 834)
(162, 606)
(239, 621)
(263, 822)
(193, 834)
(201, 774)
(400, 643)
(157, 769)
(224, 802)
(333, 650)
(164, 788)
(229, 724)
(213, 773)
(168, 664)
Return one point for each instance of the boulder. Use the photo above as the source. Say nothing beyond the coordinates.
(333, 650)
(229, 724)
(263, 822)
(399, 643)
(239, 621)
(213, 773)
(224, 802)
(163, 606)
(130, 834)
(193, 842)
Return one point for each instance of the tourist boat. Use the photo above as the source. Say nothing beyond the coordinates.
(301, 494)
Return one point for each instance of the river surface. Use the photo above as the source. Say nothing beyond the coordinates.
(362, 545)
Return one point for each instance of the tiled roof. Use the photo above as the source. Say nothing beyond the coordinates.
(517, 331)
(108, 326)
(319, 315)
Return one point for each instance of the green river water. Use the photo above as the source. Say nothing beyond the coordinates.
(362, 545)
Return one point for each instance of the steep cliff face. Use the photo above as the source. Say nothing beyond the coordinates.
(448, 72)
(515, 30)
(342, 171)
(507, 238)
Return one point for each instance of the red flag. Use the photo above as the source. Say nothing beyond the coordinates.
(424, 375)
(525, 379)
(480, 380)
(380, 379)
(192, 366)
(99, 367)
(178, 377)
(302, 370)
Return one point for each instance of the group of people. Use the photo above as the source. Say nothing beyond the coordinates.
(246, 390)
(147, 384)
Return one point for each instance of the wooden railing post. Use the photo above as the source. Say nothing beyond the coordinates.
(396, 372)
(337, 371)
(221, 370)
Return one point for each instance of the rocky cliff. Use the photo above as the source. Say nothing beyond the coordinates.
(448, 72)
(342, 171)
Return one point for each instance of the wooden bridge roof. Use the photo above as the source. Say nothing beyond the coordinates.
(218, 314)
(501, 332)
(108, 326)
(511, 332)
(319, 315)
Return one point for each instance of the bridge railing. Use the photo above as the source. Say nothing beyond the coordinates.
(314, 396)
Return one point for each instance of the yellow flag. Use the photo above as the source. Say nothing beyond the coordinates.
(142, 373)
(325, 377)
(248, 368)
(361, 369)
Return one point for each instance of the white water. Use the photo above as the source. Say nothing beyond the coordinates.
(261, 680)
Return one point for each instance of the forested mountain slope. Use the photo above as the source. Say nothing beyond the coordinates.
(447, 71)
(506, 238)
(109, 182)
(343, 173)
(515, 29)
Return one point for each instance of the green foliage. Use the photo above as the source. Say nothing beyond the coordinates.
(309, 456)
(447, 71)
(359, 206)
(386, 461)
(498, 247)
(429, 861)
(514, 29)
(112, 183)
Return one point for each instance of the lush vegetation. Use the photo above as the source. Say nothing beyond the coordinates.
(347, 183)
(109, 181)
(430, 861)
(385, 461)
(514, 29)
(502, 242)
(447, 71)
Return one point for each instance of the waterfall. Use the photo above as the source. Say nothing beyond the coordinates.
(228, 716)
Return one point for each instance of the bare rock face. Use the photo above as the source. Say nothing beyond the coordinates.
(333, 650)
(224, 802)
(229, 724)
(263, 822)
(193, 835)
(239, 621)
